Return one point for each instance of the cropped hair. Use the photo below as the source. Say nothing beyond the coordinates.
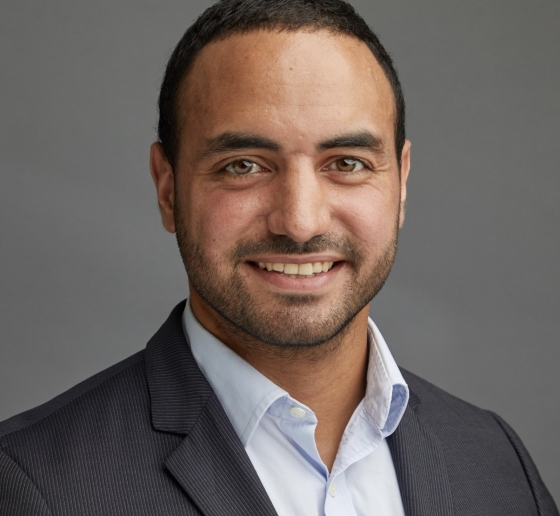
(228, 17)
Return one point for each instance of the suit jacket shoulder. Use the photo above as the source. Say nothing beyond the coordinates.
(68, 455)
(69, 399)
(146, 436)
(481, 466)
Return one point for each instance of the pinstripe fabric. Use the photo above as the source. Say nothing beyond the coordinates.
(145, 437)
(18, 495)
(454, 458)
(178, 389)
(149, 437)
(544, 501)
(211, 463)
(420, 467)
(203, 466)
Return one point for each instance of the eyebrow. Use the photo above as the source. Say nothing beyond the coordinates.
(233, 141)
(360, 139)
(230, 141)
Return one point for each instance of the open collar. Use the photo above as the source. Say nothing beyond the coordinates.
(246, 394)
(211, 464)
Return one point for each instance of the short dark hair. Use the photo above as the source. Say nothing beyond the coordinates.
(227, 17)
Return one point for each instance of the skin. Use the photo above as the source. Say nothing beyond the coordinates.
(296, 89)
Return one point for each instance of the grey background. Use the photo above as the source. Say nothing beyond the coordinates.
(88, 273)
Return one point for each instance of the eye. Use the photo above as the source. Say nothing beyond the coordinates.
(242, 167)
(346, 165)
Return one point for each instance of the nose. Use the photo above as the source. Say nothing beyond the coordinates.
(300, 207)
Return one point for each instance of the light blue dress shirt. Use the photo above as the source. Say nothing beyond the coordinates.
(278, 432)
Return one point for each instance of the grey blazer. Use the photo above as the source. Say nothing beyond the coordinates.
(149, 437)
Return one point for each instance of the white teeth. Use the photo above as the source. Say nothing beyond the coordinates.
(294, 270)
(291, 268)
(305, 269)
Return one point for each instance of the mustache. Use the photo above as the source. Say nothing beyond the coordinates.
(283, 244)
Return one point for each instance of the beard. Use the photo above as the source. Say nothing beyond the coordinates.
(287, 321)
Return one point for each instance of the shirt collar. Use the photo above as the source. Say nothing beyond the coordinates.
(243, 391)
(246, 394)
(386, 391)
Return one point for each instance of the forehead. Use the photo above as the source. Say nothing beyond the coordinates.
(280, 81)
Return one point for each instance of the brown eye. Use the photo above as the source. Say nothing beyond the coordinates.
(242, 166)
(346, 165)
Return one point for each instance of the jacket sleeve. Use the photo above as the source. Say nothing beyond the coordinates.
(18, 494)
(543, 498)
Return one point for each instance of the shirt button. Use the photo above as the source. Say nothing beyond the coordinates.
(297, 412)
(332, 490)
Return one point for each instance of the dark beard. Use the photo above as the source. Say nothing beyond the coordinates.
(296, 322)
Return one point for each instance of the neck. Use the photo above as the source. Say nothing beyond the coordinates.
(330, 379)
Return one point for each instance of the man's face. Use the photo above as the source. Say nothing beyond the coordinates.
(287, 161)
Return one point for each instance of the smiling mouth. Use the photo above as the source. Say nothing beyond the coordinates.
(294, 270)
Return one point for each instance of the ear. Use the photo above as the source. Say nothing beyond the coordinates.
(162, 174)
(405, 169)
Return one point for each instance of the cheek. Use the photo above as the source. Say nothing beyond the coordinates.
(370, 215)
(221, 218)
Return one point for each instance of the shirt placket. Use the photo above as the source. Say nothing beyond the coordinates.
(298, 423)
(338, 501)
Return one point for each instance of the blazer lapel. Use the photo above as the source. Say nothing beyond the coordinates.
(420, 466)
(213, 468)
(210, 464)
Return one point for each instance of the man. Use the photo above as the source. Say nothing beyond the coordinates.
(282, 166)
